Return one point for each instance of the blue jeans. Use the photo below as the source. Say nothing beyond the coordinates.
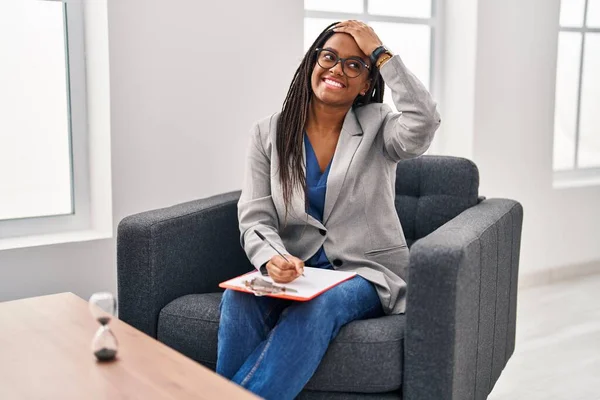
(273, 346)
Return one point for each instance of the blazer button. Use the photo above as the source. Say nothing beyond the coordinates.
(337, 262)
(323, 232)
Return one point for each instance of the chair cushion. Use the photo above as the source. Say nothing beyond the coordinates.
(317, 395)
(431, 190)
(365, 357)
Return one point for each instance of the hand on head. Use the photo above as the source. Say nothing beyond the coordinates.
(364, 36)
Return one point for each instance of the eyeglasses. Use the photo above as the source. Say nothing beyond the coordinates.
(260, 287)
(351, 66)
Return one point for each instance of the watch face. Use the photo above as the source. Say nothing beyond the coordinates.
(377, 52)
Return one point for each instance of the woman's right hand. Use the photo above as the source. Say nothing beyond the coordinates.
(282, 271)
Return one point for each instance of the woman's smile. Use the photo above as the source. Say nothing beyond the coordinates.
(333, 83)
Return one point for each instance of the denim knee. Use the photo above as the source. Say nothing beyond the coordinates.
(233, 299)
(246, 304)
(236, 297)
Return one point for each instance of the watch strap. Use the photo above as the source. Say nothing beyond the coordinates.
(376, 53)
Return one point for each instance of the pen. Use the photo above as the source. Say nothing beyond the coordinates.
(264, 239)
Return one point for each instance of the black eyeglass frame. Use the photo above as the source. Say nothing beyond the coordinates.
(339, 59)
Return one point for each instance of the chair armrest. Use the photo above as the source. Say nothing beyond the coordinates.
(167, 253)
(461, 303)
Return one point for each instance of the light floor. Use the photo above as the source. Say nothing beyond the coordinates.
(557, 354)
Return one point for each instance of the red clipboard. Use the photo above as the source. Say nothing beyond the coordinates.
(315, 282)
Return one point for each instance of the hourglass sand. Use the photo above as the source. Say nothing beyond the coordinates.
(104, 345)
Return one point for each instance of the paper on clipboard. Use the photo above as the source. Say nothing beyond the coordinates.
(314, 282)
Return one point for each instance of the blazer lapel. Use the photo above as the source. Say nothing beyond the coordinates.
(298, 202)
(350, 138)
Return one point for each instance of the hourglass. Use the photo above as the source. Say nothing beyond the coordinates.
(104, 345)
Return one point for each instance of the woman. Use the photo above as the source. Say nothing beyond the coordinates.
(319, 185)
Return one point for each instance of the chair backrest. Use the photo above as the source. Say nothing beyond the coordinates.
(431, 190)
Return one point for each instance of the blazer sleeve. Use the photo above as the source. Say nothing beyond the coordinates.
(408, 132)
(256, 210)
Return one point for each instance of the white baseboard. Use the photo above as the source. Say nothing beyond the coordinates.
(557, 274)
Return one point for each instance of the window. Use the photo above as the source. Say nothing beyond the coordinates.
(45, 176)
(406, 27)
(35, 137)
(577, 99)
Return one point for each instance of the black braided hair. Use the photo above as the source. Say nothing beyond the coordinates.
(290, 125)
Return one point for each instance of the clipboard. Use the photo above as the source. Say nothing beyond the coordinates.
(314, 282)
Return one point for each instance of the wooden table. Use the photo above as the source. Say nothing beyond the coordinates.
(45, 353)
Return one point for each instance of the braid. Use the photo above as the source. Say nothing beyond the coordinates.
(290, 125)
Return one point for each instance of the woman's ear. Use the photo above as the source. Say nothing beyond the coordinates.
(366, 87)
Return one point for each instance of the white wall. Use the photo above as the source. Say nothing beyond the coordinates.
(512, 131)
(182, 106)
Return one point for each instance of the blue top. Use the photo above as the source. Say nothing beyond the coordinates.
(316, 184)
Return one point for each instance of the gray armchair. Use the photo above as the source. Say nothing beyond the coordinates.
(459, 328)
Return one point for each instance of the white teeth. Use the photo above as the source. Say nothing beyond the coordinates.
(333, 83)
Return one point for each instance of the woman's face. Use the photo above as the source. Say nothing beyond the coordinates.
(330, 85)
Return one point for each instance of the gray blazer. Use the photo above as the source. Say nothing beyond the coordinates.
(360, 230)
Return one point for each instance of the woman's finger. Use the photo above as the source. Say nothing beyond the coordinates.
(358, 24)
(345, 29)
(282, 263)
(345, 23)
(352, 24)
(278, 272)
(286, 275)
(282, 279)
(299, 264)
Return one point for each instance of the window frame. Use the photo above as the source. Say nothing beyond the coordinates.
(80, 219)
(576, 175)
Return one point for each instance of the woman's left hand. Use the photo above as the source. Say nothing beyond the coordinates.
(363, 34)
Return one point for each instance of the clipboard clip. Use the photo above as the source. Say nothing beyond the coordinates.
(261, 287)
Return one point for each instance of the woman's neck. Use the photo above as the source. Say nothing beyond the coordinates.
(324, 120)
